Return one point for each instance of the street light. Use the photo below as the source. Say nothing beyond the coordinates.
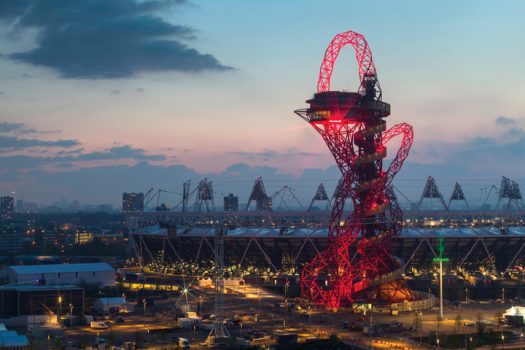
(59, 304)
(71, 315)
(440, 259)
(259, 298)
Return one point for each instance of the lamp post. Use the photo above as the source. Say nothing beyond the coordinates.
(185, 294)
(59, 305)
(259, 298)
(70, 315)
(440, 259)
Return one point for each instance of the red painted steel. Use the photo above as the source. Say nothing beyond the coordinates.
(353, 128)
(363, 55)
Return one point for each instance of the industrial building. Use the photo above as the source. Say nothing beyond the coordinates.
(24, 300)
(60, 274)
(104, 305)
(132, 202)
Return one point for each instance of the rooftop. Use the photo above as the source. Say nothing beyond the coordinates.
(37, 287)
(10, 339)
(64, 268)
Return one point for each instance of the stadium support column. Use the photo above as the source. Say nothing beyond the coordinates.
(219, 330)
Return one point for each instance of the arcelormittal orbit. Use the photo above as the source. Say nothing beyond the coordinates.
(353, 126)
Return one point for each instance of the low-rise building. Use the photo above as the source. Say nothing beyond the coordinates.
(21, 304)
(92, 273)
(11, 340)
(103, 305)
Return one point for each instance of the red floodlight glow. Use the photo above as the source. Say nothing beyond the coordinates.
(353, 128)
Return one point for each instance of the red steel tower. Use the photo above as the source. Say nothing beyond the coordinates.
(352, 125)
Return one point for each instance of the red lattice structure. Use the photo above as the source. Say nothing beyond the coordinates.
(352, 125)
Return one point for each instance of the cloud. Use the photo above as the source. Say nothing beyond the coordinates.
(114, 92)
(9, 143)
(35, 153)
(21, 129)
(272, 154)
(21, 162)
(106, 39)
(502, 120)
(7, 127)
(120, 152)
(69, 152)
(501, 153)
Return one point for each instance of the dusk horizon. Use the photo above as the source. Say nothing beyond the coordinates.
(178, 92)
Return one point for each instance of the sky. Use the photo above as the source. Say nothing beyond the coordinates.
(100, 97)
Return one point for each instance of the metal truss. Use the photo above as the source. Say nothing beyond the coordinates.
(352, 126)
(137, 222)
(363, 56)
(468, 248)
(431, 191)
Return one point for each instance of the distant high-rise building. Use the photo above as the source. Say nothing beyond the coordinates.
(132, 201)
(7, 207)
(231, 203)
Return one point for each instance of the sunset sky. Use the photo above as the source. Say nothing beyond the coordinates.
(100, 97)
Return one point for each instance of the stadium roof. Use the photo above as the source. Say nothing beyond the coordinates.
(263, 232)
(63, 268)
(38, 288)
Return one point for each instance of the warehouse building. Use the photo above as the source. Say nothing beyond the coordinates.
(101, 274)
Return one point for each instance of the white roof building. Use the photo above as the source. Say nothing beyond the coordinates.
(515, 311)
(104, 304)
(91, 273)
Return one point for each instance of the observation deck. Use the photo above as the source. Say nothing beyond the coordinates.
(341, 105)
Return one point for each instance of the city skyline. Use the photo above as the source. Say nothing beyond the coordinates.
(225, 110)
